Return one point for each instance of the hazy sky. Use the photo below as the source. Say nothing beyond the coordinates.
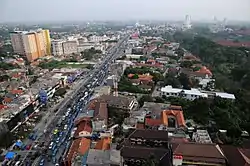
(77, 10)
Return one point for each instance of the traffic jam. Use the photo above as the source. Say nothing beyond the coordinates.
(62, 135)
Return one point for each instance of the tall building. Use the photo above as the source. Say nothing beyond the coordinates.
(57, 47)
(187, 23)
(48, 42)
(70, 47)
(33, 44)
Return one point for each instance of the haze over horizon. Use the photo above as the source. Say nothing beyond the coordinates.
(83, 10)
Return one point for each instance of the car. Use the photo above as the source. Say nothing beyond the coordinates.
(42, 161)
(55, 131)
(51, 145)
(28, 147)
(57, 140)
(65, 127)
(54, 152)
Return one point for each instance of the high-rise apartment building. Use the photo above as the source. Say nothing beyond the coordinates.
(33, 44)
(57, 47)
(70, 47)
(48, 41)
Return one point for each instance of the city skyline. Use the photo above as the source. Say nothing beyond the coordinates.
(77, 10)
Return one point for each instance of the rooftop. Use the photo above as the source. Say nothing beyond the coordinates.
(103, 144)
(193, 91)
(196, 152)
(116, 101)
(143, 152)
(236, 156)
(178, 114)
(101, 111)
(149, 134)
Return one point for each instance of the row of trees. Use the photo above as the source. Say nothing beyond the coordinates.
(7, 66)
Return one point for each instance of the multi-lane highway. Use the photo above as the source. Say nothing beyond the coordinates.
(56, 138)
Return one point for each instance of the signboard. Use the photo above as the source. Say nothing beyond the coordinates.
(177, 160)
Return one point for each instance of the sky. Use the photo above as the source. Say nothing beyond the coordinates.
(82, 10)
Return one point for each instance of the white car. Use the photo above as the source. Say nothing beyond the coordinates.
(65, 127)
(51, 144)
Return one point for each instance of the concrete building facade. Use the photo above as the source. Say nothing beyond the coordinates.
(57, 47)
(69, 47)
(33, 44)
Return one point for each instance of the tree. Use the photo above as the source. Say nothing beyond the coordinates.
(144, 98)
(151, 161)
(184, 80)
(135, 76)
(172, 80)
(179, 52)
(186, 64)
(60, 92)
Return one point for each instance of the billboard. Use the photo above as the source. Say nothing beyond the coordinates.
(43, 96)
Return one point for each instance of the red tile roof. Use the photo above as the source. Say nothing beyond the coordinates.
(177, 114)
(83, 125)
(2, 106)
(153, 122)
(175, 107)
(204, 70)
(236, 156)
(140, 126)
(179, 140)
(191, 57)
(101, 111)
(84, 146)
(233, 44)
(73, 150)
(16, 75)
(200, 153)
(16, 91)
(7, 100)
(103, 144)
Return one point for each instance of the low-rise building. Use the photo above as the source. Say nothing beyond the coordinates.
(140, 155)
(70, 47)
(199, 154)
(122, 102)
(202, 136)
(192, 94)
(57, 47)
(133, 56)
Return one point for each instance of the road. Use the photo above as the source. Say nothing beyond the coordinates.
(73, 98)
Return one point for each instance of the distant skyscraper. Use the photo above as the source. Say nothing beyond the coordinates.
(33, 44)
(187, 23)
(137, 24)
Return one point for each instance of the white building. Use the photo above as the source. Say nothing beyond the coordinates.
(133, 56)
(202, 136)
(187, 23)
(89, 45)
(225, 95)
(97, 39)
(70, 47)
(57, 47)
(192, 94)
